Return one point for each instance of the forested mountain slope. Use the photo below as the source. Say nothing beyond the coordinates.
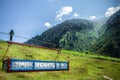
(109, 41)
(84, 35)
(75, 34)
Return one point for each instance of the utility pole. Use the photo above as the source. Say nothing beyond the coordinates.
(11, 33)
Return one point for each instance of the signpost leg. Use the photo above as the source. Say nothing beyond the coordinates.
(8, 65)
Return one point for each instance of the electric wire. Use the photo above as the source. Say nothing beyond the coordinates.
(36, 41)
(30, 39)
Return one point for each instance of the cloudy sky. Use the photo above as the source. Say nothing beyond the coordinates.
(31, 17)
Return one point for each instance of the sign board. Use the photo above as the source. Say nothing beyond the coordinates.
(35, 65)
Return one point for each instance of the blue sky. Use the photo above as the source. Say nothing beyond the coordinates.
(31, 17)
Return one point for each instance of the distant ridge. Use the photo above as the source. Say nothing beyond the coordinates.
(109, 41)
(74, 34)
(84, 36)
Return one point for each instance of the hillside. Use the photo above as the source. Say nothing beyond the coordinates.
(109, 41)
(99, 22)
(82, 66)
(75, 34)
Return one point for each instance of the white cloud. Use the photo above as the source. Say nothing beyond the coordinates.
(92, 17)
(75, 15)
(66, 10)
(110, 11)
(47, 24)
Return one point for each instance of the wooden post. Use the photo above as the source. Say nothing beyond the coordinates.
(68, 66)
(3, 65)
(6, 52)
(8, 65)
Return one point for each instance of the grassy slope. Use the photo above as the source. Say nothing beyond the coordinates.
(82, 66)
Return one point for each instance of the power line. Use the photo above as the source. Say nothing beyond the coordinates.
(21, 37)
(33, 45)
(14, 35)
(4, 33)
(29, 38)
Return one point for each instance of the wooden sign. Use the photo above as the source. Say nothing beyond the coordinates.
(12, 65)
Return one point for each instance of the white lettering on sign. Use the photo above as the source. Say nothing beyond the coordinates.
(43, 65)
(38, 65)
(18, 64)
(61, 65)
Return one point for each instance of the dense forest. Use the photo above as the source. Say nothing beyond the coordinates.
(101, 36)
(75, 34)
(109, 37)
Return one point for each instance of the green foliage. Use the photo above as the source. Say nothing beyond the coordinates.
(75, 34)
(109, 41)
(101, 36)
(99, 22)
(82, 66)
(78, 41)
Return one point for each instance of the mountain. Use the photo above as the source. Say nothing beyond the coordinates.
(99, 22)
(101, 36)
(109, 41)
(74, 34)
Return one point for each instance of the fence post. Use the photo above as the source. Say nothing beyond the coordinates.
(8, 64)
(68, 66)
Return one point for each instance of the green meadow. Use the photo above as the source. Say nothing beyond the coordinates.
(83, 65)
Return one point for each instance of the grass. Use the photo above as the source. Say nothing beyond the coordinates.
(91, 55)
(82, 66)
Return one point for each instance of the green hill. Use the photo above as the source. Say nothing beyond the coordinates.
(109, 40)
(101, 36)
(75, 34)
(83, 66)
